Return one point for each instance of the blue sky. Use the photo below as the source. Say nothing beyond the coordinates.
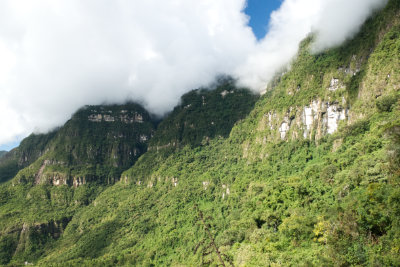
(259, 12)
(9, 146)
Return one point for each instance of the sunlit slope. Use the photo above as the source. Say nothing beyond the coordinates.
(64, 171)
(309, 177)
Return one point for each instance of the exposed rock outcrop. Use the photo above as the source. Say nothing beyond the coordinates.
(285, 127)
(318, 118)
(124, 117)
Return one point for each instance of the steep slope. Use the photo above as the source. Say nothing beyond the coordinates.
(89, 152)
(30, 149)
(65, 171)
(309, 177)
(2, 153)
(202, 115)
(97, 144)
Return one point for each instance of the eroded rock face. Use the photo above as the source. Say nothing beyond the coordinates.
(54, 178)
(124, 117)
(284, 128)
(226, 191)
(58, 179)
(319, 117)
(310, 114)
(335, 113)
(271, 119)
(95, 117)
(205, 184)
(143, 138)
(78, 181)
(334, 85)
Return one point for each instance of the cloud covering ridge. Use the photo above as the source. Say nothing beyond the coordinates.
(58, 55)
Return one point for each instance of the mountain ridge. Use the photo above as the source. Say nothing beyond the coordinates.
(308, 177)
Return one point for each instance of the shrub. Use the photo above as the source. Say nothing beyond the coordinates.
(386, 103)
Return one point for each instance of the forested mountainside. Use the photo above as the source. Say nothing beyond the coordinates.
(97, 144)
(2, 153)
(306, 175)
(24, 155)
(59, 173)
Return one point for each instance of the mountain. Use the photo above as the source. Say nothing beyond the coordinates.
(97, 144)
(90, 151)
(2, 153)
(69, 167)
(30, 149)
(307, 174)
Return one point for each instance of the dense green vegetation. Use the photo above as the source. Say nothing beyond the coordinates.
(2, 153)
(85, 155)
(204, 114)
(30, 149)
(96, 145)
(262, 200)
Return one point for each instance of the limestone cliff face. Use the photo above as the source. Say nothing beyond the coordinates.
(124, 116)
(95, 145)
(302, 172)
(314, 120)
(324, 94)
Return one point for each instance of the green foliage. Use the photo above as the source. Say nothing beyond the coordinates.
(102, 150)
(324, 200)
(30, 149)
(204, 114)
(8, 169)
(357, 128)
(387, 103)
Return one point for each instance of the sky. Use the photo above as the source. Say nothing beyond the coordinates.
(59, 55)
(259, 12)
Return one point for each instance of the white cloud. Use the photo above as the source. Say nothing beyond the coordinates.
(339, 20)
(58, 55)
(334, 21)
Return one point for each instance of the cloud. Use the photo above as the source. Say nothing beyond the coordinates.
(58, 55)
(339, 20)
(333, 22)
